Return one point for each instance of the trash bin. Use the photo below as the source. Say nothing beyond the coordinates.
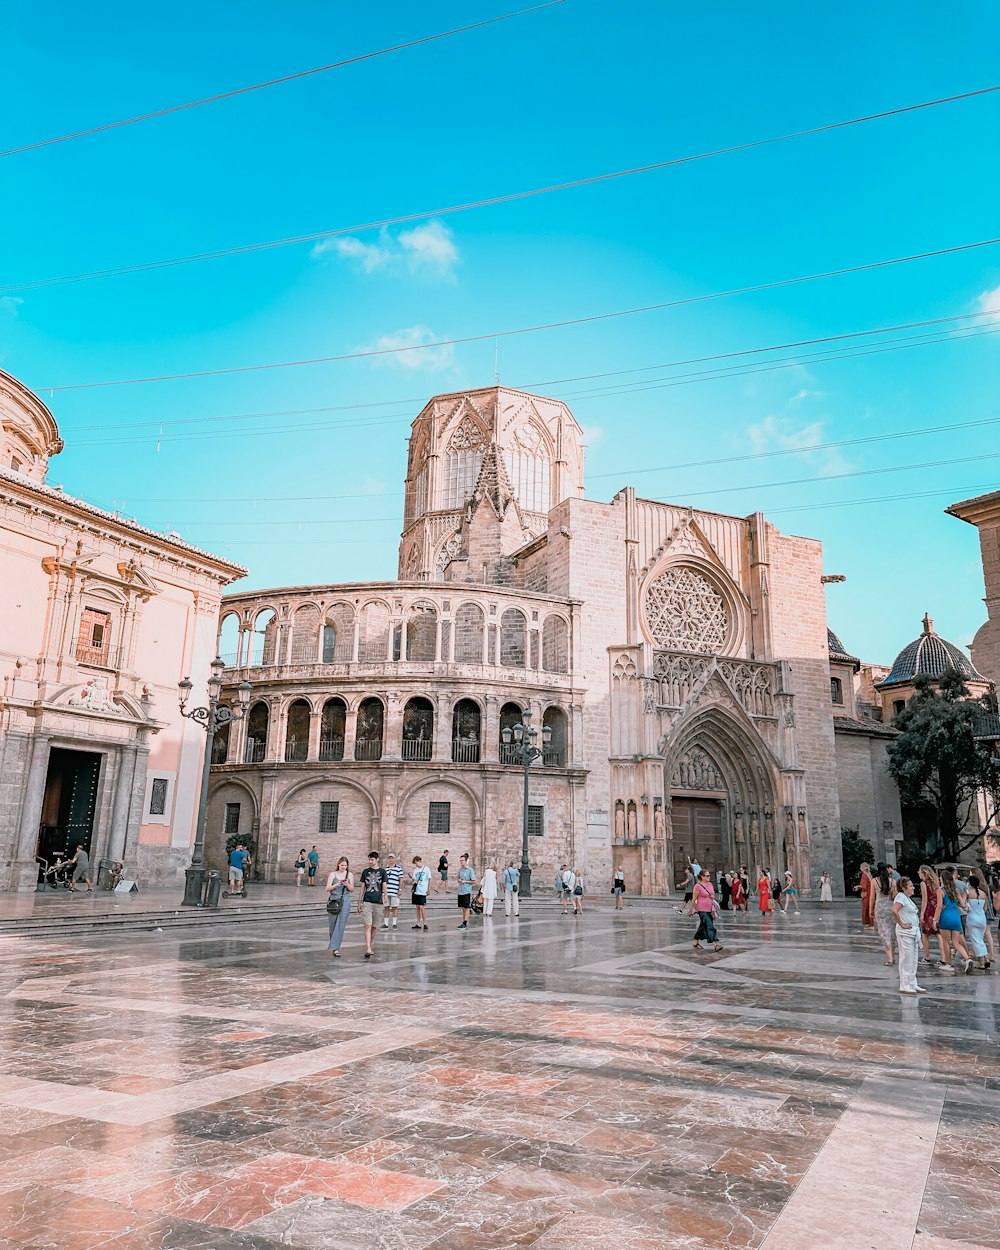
(213, 887)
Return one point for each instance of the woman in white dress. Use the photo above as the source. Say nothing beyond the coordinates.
(489, 888)
(825, 890)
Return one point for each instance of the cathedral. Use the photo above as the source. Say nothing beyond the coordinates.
(691, 699)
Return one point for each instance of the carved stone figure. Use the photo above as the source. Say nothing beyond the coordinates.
(803, 830)
(659, 824)
(94, 697)
(739, 830)
(789, 827)
(633, 830)
(620, 821)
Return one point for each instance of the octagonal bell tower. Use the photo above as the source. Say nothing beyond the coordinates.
(483, 471)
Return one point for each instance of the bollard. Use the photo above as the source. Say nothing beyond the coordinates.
(213, 886)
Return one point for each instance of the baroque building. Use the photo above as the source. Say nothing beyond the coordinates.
(101, 618)
(679, 657)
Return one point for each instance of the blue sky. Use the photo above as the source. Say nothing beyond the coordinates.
(571, 91)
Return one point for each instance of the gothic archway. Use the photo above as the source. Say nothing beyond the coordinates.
(723, 790)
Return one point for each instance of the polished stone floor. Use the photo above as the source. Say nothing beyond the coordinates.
(552, 1082)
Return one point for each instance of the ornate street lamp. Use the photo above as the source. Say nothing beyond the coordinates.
(521, 741)
(210, 718)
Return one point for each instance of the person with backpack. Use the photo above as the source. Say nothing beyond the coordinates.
(567, 882)
(577, 893)
(618, 889)
(421, 878)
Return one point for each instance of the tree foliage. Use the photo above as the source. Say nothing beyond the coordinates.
(936, 759)
(856, 851)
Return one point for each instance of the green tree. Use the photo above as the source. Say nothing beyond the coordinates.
(856, 851)
(936, 759)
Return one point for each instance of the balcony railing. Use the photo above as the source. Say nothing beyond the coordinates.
(254, 753)
(377, 650)
(416, 749)
(464, 751)
(368, 749)
(552, 757)
(331, 749)
(103, 656)
(986, 725)
(296, 751)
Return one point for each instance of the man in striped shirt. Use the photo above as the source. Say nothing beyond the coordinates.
(393, 880)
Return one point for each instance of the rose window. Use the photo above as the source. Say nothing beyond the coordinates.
(684, 612)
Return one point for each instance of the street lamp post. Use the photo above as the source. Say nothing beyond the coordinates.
(210, 718)
(521, 741)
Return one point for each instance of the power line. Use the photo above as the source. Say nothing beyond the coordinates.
(373, 353)
(275, 82)
(954, 334)
(32, 284)
(160, 422)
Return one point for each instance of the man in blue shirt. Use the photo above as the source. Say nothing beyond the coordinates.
(511, 882)
(313, 858)
(238, 858)
(466, 882)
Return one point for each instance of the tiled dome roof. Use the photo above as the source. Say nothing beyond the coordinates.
(838, 651)
(930, 655)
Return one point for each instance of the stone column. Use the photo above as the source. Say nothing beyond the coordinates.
(122, 803)
(315, 724)
(350, 727)
(392, 729)
(24, 869)
(441, 750)
(489, 747)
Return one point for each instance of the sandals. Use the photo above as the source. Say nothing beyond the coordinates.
(697, 946)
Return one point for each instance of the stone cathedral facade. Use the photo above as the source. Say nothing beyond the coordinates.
(680, 659)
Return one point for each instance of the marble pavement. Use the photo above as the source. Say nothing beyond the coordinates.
(552, 1082)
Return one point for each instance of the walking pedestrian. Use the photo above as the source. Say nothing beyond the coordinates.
(975, 921)
(393, 881)
(739, 898)
(577, 893)
(443, 871)
(764, 891)
(618, 889)
(949, 919)
(81, 870)
(489, 888)
(300, 868)
(929, 886)
(789, 894)
(703, 902)
(466, 880)
(511, 886)
(726, 889)
(568, 882)
(313, 858)
(687, 885)
(825, 891)
(885, 921)
(421, 878)
(907, 918)
(372, 900)
(238, 860)
(339, 888)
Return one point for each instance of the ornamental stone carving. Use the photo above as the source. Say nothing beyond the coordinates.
(695, 771)
(469, 436)
(684, 612)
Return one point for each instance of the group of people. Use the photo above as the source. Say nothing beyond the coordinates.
(378, 890)
(732, 890)
(940, 905)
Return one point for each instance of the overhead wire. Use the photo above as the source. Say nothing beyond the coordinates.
(274, 82)
(382, 223)
(590, 319)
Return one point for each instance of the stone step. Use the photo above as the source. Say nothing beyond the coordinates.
(65, 922)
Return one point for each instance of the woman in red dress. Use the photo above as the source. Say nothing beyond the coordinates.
(764, 892)
(867, 889)
(738, 899)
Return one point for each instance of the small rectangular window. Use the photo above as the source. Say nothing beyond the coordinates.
(329, 815)
(836, 690)
(232, 818)
(158, 797)
(536, 821)
(439, 818)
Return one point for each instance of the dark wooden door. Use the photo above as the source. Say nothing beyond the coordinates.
(697, 833)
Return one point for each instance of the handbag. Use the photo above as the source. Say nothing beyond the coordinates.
(335, 902)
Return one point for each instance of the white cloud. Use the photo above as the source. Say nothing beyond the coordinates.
(427, 249)
(430, 247)
(989, 301)
(10, 304)
(592, 435)
(368, 257)
(404, 349)
(778, 433)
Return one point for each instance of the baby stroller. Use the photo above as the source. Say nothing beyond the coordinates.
(477, 904)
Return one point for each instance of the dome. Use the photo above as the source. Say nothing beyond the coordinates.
(28, 431)
(930, 655)
(838, 652)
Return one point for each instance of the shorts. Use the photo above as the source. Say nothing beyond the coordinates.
(392, 900)
(312, 870)
(80, 872)
(371, 913)
(299, 871)
(464, 901)
(443, 873)
(419, 900)
(235, 876)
